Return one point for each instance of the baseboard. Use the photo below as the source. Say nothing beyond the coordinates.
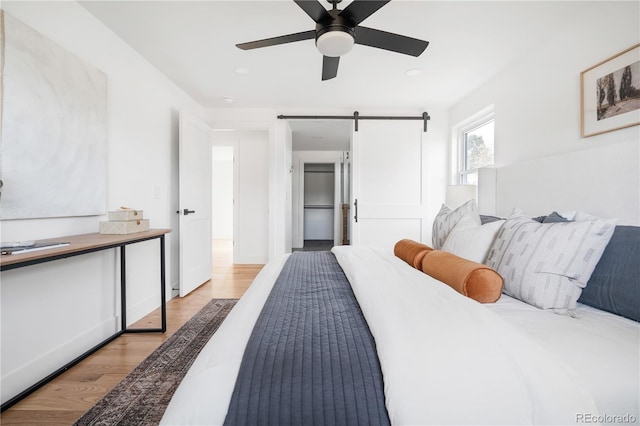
(175, 290)
(32, 372)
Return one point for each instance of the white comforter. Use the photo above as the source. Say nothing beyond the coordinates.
(603, 348)
(445, 359)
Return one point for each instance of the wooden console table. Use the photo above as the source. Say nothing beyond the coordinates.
(84, 244)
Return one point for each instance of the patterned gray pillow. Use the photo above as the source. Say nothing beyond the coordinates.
(548, 265)
(446, 219)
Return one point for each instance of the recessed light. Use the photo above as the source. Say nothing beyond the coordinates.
(241, 70)
(413, 72)
(228, 99)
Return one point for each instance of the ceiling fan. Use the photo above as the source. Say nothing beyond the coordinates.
(338, 30)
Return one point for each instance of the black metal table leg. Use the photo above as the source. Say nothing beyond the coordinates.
(123, 288)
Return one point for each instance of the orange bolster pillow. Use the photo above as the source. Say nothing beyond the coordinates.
(472, 279)
(411, 252)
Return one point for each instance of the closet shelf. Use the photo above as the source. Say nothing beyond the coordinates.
(318, 207)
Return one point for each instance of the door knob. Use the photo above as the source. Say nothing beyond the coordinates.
(186, 211)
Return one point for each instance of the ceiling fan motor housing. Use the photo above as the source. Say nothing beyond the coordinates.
(336, 37)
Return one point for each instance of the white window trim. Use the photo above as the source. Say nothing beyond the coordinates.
(458, 133)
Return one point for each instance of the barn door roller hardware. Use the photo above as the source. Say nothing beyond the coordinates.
(356, 117)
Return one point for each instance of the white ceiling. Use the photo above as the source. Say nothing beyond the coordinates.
(193, 43)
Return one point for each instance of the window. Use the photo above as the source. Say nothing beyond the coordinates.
(475, 147)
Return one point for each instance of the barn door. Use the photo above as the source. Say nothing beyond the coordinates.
(388, 191)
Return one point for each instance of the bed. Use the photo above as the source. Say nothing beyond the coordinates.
(443, 357)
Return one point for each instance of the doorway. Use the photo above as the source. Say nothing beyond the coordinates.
(321, 148)
(250, 201)
(222, 192)
(319, 206)
(222, 201)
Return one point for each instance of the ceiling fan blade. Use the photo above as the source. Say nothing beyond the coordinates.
(390, 41)
(314, 9)
(289, 38)
(329, 67)
(359, 10)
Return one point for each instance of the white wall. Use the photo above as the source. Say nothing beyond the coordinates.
(53, 312)
(537, 113)
(252, 204)
(222, 188)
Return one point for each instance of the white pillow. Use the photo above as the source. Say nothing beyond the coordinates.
(548, 264)
(472, 241)
(446, 219)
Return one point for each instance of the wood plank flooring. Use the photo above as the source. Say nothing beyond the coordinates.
(63, 400)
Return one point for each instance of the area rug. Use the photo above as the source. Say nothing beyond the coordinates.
(141, 398)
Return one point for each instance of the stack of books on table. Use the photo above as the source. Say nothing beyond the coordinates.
(28, 246)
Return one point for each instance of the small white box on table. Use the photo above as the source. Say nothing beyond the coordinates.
(124, 221)
(125, 214)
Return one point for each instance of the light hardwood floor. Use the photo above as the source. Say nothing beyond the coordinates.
(63, 400)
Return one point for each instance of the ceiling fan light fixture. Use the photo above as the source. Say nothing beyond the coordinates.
(335, 43)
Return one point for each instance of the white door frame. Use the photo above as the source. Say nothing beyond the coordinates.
(337, 203)
(315, 157)
(233, 144)
(337, 200)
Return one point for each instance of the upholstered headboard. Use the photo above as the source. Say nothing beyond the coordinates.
(602, 180)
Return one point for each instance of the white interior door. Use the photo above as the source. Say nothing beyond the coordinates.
(388, 191)
(195, 203)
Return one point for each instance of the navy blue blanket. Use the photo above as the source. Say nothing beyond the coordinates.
(311, 359)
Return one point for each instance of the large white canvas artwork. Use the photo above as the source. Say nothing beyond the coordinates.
(54, 129)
